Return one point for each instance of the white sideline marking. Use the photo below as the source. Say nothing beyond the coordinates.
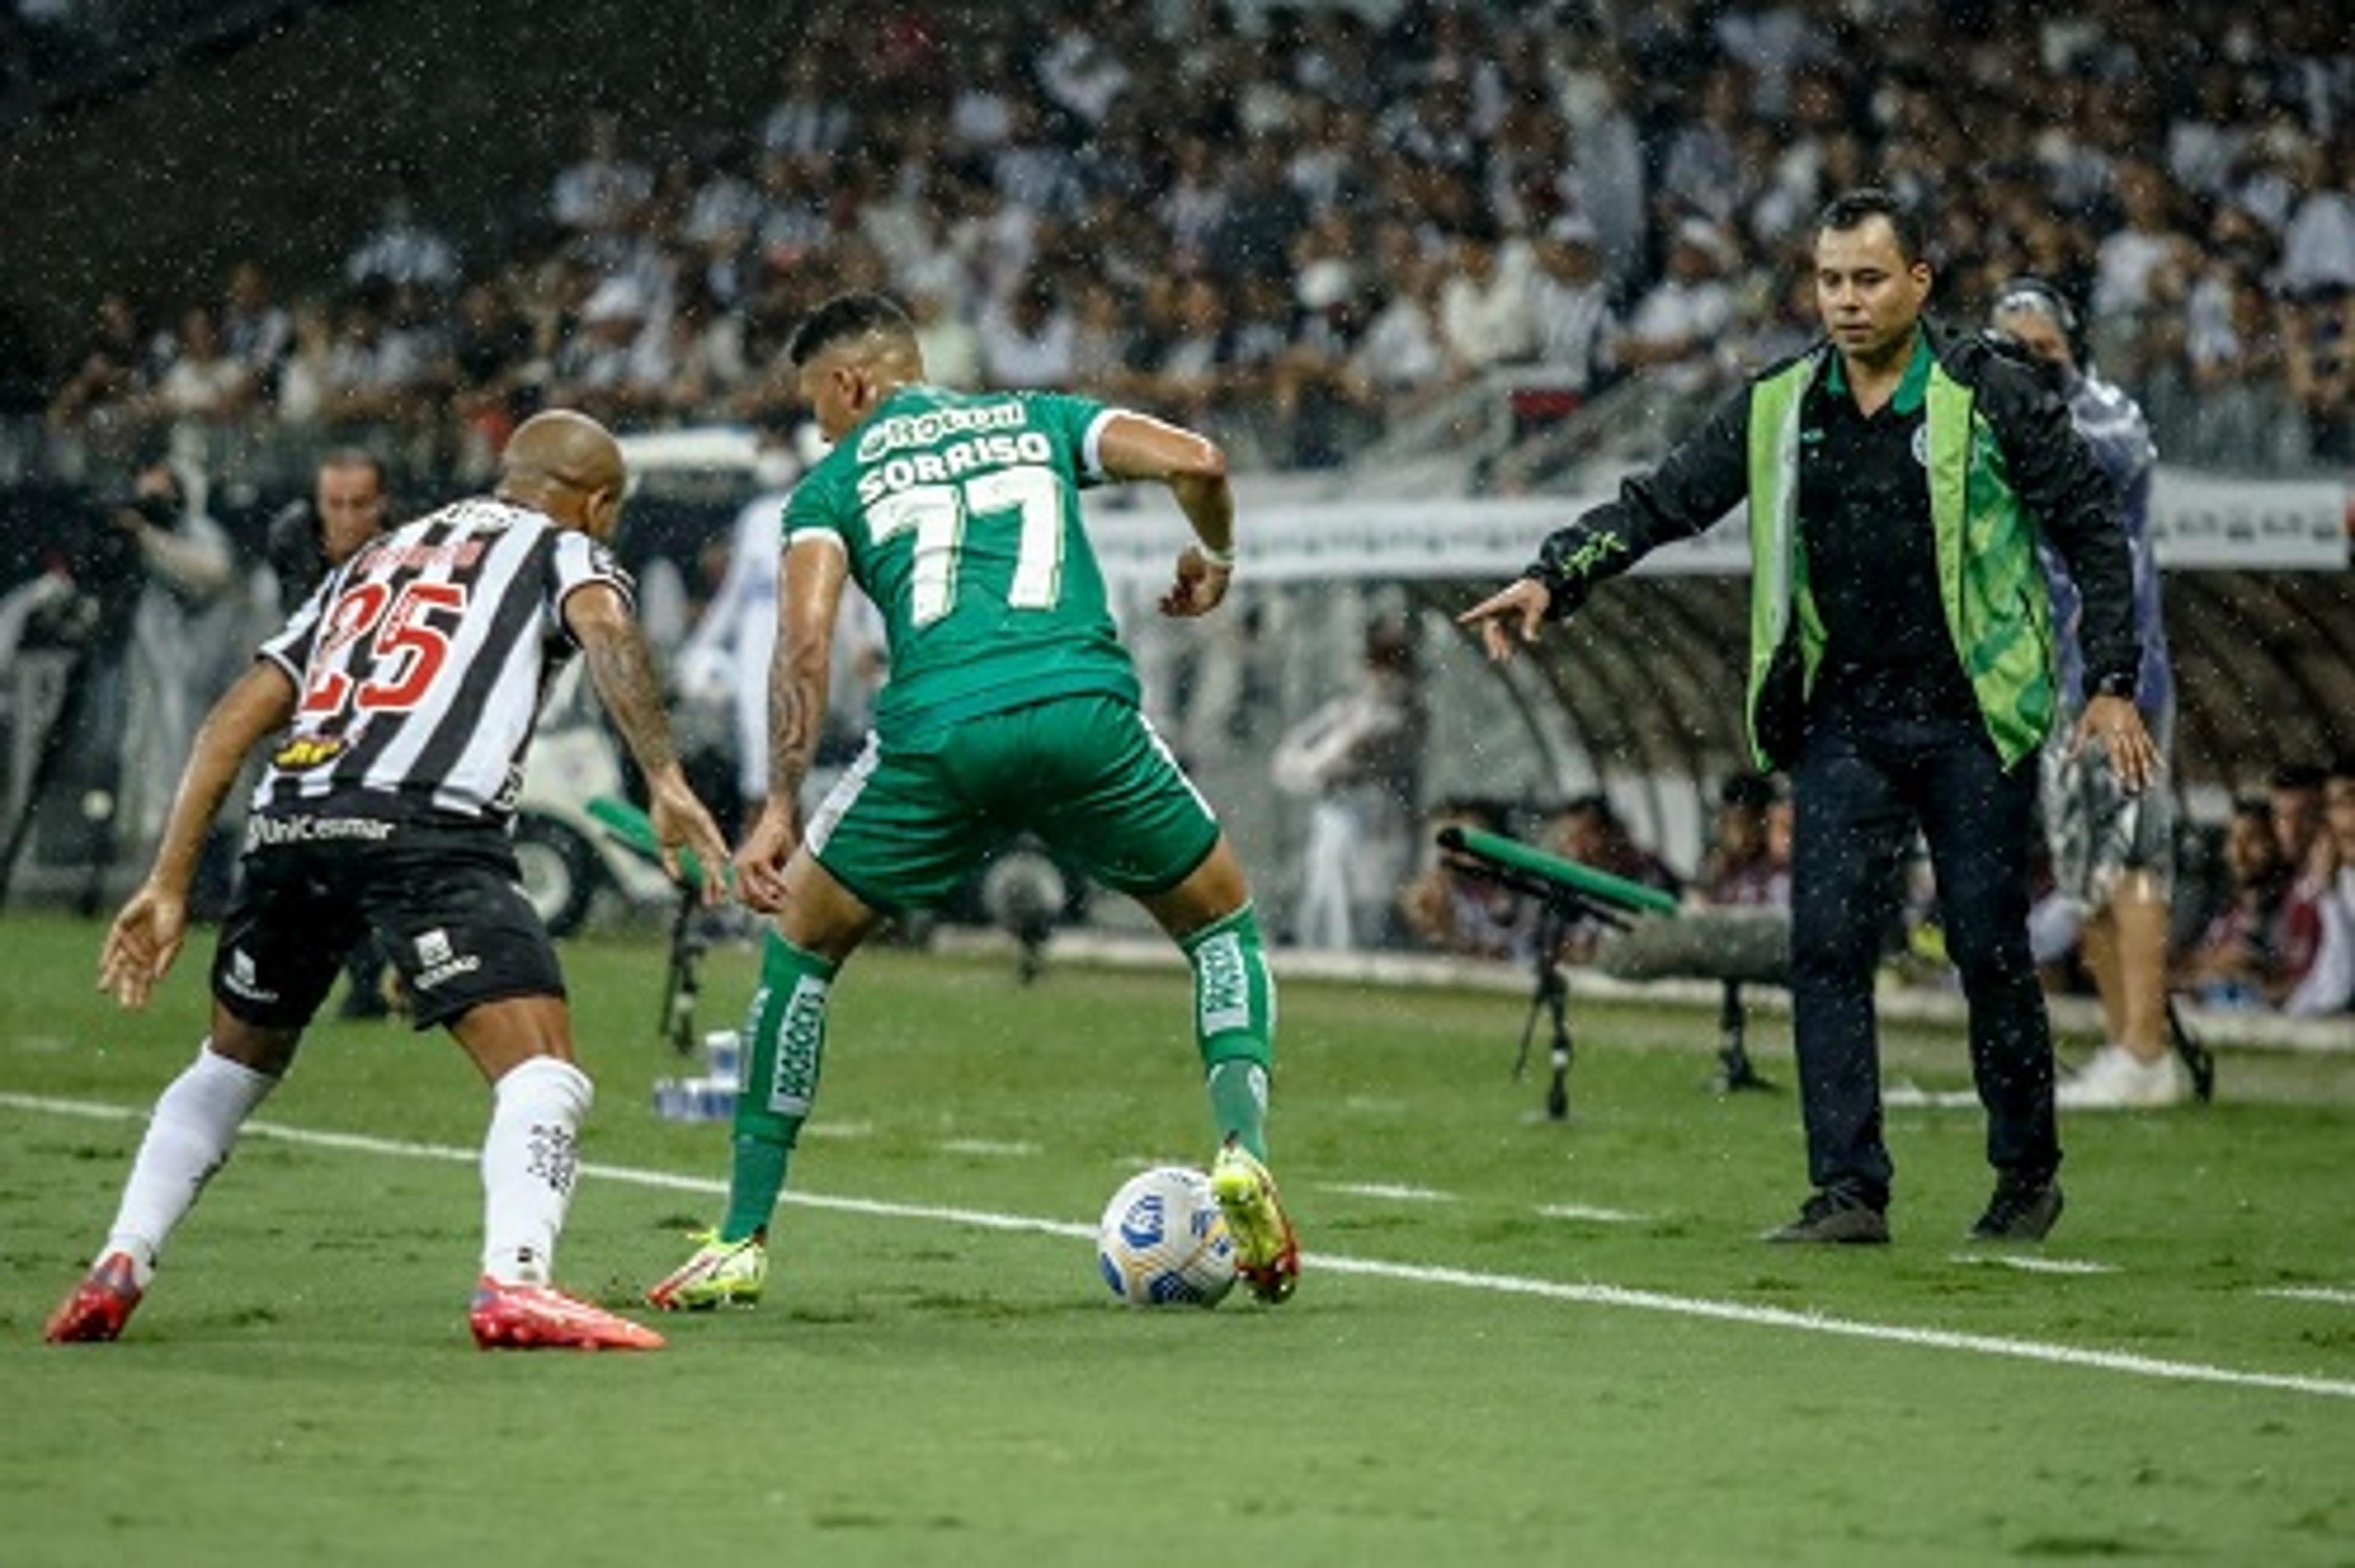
(2026, 1264)
(1462, 1279)
(1587, 1211)
(841, 1130)
(2326, 1295)
(986, 1146)
(1389, 1189)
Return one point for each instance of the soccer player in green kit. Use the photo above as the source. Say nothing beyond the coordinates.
(1011, 706)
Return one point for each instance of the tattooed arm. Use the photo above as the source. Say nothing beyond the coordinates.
(623, 670)
(809, 597)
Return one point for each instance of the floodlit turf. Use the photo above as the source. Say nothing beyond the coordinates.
(1456, 1384)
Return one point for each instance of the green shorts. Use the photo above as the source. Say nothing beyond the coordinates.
(904, 829)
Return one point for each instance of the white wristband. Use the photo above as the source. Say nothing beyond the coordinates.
(1224, 559)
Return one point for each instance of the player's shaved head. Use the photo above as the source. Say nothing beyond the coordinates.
(566, 466)
(565, 448)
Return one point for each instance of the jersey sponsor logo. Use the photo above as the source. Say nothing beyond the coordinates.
(459, 557)
(928, 428)
(952, 461)
(304, 753)
(309, 829)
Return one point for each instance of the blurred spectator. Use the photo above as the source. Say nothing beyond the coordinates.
(1484, 300)
(613, 366)
(2328, 985)
(200, 380)
(254, 330)
(1679, 320)
(116, 366)
(307, 377)
(349, 506)
(1449, 909)
(403, 250)
(183, 649)
(595, 200)
(1357, 759)
(952, 350)
(2318, 335)
(1589, 831)
(1743, 867)
(811, 121)
(2318, 245)
(2236, 962)
(1030, 339)
(2294, 796)
(2310, 854)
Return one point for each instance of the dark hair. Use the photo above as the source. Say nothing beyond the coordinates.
(1750, 792)
(846, 317)
(356, 457)
(1853, 208)
(2299, 776)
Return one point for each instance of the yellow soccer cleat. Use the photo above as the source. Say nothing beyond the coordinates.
(720, 1274)
(1267, 1249)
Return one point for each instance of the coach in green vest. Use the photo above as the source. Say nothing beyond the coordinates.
(1901, 670)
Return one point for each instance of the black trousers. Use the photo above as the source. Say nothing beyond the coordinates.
(1862, 783)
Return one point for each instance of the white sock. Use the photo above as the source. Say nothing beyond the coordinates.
(530, 1155)
(189, 1136)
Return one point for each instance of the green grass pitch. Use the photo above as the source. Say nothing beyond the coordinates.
(1516, 1342)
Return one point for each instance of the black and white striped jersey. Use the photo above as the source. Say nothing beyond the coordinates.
(422, 660)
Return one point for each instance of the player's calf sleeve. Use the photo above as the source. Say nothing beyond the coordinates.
(531, 1157)
(188, 1138)
(1234, 1023)
(784, 1038)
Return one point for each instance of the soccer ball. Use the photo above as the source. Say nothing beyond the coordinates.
(1163, 1241)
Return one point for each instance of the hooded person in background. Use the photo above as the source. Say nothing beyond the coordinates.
(2113, 851)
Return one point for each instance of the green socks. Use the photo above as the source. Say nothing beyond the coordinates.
(1234, 1023)
(784, 1034)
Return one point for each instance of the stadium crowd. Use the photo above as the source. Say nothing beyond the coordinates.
(1294, 232)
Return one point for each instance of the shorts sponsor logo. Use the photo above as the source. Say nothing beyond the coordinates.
(240, 980)
(441, 962)
(305, 828)
(303, 754)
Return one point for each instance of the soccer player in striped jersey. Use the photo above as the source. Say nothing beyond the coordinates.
(1011, 706)
(403, 693)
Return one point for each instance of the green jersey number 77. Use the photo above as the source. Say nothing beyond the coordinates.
(938, 514)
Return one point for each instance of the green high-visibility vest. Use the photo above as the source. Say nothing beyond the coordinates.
(1988, 582)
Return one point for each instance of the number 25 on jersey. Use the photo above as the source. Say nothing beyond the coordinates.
(408, 640)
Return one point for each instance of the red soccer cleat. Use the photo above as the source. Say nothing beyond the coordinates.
(540, 1317)
(100, 1306)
